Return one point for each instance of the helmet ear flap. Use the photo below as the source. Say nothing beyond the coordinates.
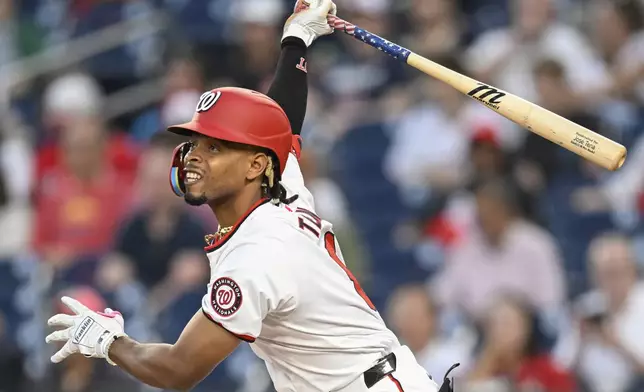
(177, 175)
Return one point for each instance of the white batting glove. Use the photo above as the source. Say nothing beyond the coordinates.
(309, 20)
(88, 332)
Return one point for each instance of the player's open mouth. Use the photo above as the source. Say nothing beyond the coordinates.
(192, 178)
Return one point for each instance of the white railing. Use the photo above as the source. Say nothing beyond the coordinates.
(132, 98)
(54, 58)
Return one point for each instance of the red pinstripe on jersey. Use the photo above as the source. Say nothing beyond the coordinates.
(395, 381)
(246, 338)
(329, 241)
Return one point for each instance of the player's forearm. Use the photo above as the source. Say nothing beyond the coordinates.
(290, 86)
(153, 364)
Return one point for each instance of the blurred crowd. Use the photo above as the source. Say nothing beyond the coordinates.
(480, 242)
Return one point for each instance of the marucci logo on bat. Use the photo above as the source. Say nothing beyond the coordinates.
(488, 95)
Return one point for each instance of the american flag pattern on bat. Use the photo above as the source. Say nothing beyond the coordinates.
(390, 48)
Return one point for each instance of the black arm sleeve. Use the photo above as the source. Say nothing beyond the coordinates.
(290, 86)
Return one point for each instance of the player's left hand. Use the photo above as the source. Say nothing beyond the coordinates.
(309, 20)
(89, 333)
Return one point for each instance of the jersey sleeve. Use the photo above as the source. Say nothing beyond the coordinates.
(292, 178)
(242, 293)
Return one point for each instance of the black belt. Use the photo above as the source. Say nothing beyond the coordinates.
(385, 366)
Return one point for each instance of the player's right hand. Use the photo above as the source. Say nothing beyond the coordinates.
(309, 20)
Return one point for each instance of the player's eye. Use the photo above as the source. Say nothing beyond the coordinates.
(214, 148)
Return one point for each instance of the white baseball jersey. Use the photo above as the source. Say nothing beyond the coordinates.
(278, 280)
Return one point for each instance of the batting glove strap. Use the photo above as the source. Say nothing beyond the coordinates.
(105, 346)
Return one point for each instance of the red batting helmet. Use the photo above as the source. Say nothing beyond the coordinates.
(241, 116)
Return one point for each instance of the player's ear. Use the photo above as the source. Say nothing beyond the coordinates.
(257, 167)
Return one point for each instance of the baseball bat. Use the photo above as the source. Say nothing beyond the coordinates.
(581, 141)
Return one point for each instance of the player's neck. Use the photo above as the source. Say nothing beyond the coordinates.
(230, 211)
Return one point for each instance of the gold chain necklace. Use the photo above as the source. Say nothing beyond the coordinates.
(222, 231)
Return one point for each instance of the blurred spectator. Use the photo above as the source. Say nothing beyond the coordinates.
(258, 27)
(447, 220)
(514, 354)
(620, 40)
(16, 183)
(505, 57)
(605, 347)
(71, 98)
(414, 318)
(431, 140)
(435, 27)
(161, 239)
(183, 80)
(68, 97)
(503, 252)
(80, 203)
(486, 156)
(183, 86)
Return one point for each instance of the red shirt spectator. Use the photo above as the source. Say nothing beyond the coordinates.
(78, 217)
(541, 374)
(81, 202)
(121, 153)
(71, 98)
(514, 354)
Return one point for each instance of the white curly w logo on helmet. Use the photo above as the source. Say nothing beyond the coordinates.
(207, 101)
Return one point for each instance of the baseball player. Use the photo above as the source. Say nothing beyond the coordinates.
(278, 280)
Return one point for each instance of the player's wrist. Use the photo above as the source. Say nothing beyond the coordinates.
(298, 31)
(104, 346)
(293, 42)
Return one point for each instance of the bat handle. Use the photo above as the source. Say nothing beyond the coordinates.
(396, 51)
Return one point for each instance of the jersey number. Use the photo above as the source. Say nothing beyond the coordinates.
(310, 222)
